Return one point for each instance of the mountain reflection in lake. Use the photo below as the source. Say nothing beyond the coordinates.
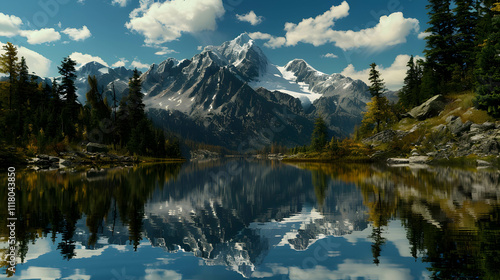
(256, 219)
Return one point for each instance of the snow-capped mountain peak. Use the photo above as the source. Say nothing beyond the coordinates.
(242, 55)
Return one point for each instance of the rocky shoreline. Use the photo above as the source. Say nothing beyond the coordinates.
(74, 159)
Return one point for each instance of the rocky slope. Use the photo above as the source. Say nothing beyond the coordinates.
(442, 129)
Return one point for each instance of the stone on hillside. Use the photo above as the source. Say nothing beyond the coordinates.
(429, 109)
(449, 119)
(488, 147)
(477, 138)
(457, 127)
(476, 128)
(440, 128)
(96, 148)
(381, 137)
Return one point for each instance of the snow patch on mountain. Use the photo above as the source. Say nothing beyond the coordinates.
(104, 70)
(278, 78)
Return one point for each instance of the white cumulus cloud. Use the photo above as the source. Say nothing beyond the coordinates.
(36, 62)
(250, 17)
(44, 35)
(161, 22)
(391, 30)
(393, 75)
(139, 65)
(423, 35)
(120, 63)
(273, 42)
(9, 25)
(78, 34)
(164, 51)
(316, 31)
(82, 59)
(330, 55)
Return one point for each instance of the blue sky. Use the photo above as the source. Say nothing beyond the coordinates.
(333, 36)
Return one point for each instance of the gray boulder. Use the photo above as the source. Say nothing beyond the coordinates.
(419, 159)
(396, 161)
(429, 109)
(477, 128)
(457, 127)
(96, 148)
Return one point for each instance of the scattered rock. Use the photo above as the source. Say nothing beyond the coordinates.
(66, 163)
(483, 163)
(203, 155)
(432, 154)
(43, 157)
(428, 109)
(489, 146)
(457, 127)
(477, 138)
(54, 159)
(96, 148)
(440, 128)
(478, 128)
(451, 118)
(398, 161)
(419, 159)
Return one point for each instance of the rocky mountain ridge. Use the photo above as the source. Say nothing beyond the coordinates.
(231, 93)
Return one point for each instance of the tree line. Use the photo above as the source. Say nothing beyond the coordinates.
(462, 53)
(39, 117)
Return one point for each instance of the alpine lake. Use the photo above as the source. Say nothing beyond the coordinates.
(256, 219)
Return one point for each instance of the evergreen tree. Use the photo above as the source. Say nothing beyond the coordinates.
(440, 48)
(122, 123)
(409, 96)
(99, 109)
(54, 124)
(320, 134)
(9, 66)
(377, 88)
(466, 21)
(24, 90)
(135, 102)
(67, 89)
(488, 69)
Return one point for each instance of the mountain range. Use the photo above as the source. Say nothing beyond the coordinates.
(232, 95)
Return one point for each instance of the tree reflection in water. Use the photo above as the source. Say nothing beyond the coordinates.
(451, 215)
(49, 203)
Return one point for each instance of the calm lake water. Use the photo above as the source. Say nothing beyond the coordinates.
(256, 219)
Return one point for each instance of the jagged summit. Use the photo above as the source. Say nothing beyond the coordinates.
(243, 38)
